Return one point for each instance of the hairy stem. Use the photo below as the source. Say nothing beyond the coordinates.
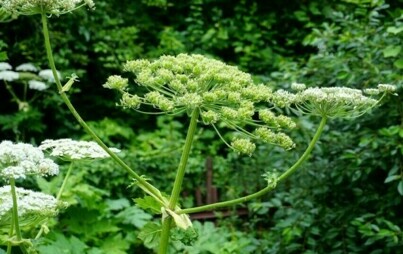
(265, 190)
(166, 224)
(77, 116)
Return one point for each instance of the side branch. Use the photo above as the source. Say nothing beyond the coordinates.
(265, 190)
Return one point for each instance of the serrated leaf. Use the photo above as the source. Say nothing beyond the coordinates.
(399, 63)
(148, 203)
(400, 187)
(115, 245)
(392, 178)
(391, 51)
(134, 216)
(150, 234)
(117, 204)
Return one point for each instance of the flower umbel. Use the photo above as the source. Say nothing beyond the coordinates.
(184, 83)
(71, 150)
(31, 7)
(33, 207)
(19, 160)
(335, 102)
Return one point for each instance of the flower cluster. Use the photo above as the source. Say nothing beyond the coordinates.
(31, 7)
(221, 93)
(33, 207)
(338, 102)
(27, 72)
(19, 160)
(70, 150)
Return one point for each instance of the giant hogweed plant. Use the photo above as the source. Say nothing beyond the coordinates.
(212, 95)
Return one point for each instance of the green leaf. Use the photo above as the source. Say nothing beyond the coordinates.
(134, 216)
(399, 63)
(115, 245)
(394, 30)
(400, 187)
(150, 234)
(117, 204)
(149, 203)
(61, 244)
(391, 51)
(392, 178)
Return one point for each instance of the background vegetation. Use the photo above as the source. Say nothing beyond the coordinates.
(347, 199)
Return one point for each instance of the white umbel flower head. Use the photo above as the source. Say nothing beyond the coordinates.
(37, 85)
(31, 7)
(9, 75)
(33, 207)
(47, 74)
(19, 160)
(334, 102)
(26, 67)
(5, 66)
(70, 150)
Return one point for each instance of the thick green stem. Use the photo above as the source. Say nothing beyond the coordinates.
(77, 116)
(15, 210)
(10, 235)
(265, 190)
(166, 224)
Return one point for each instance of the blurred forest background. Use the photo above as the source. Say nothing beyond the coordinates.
(347, 199)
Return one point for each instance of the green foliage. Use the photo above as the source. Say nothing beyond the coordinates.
(348, 199)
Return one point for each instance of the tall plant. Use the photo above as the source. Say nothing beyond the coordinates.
(210, 93)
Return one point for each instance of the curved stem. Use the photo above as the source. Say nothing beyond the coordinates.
(77, 116)
(166, 224)
(265, 190)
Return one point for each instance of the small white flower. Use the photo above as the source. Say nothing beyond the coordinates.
(9, 75)
(26, 67)
(70, 150)
(19, 160)
(37, 85)
(5, 66)
(33, 206)
(298, 86)
(31, 7)
(386, 88)
(47, 74)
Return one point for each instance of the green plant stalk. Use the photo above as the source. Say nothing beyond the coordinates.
(265, 190)
(10, 234)
(59, 194)
(15, 215)
(77, 115)
(166, 224)
(15, 210)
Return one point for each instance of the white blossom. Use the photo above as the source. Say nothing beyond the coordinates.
(9, 75)
(19, 160)
(47, 74)
(298, 86)
(386, 88)
(32, 206)
(31, 7)
(26, 67)
(5, 66)
(69, 149)
(37, 85)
